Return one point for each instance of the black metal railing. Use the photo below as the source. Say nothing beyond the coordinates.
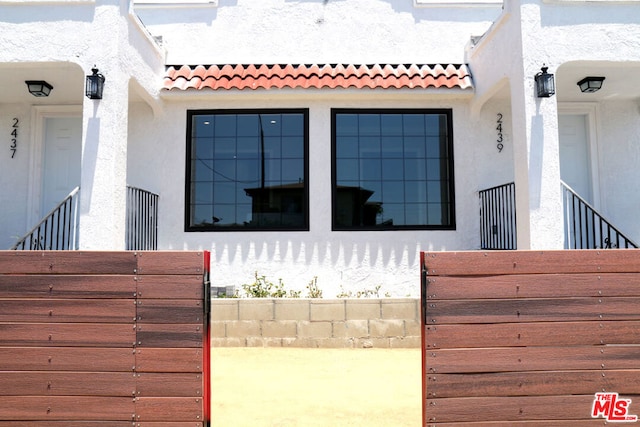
(585, 228)
(58, 230)
(142, 220)
(498, 217)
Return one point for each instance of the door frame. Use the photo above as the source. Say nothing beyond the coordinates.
(592, 112)
(39, 115)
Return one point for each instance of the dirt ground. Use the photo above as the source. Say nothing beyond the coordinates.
(292, 387)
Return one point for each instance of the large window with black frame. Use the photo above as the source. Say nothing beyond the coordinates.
(392, 169)
(247, 170)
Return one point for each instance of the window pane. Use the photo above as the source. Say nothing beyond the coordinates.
(370, 146)
(224, 148)
(392, 169)
(347, 169)
(369, 124)
(292, 125)
(248, 125)
(225, 126)
(347, 125)
(348, 148)
(203, 126)
(392, 147)
(248, 170)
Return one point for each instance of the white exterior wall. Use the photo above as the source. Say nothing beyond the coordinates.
(60, 43)
(619, 166)
(14, 177)
(279, 31)
(323, 31)
(136, 135)
(356, 260)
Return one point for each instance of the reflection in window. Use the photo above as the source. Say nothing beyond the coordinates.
(392, 169)
(247, 170)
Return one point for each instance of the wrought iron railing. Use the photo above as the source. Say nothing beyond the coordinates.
(142, 220)
(585, 228)
(58, 230)
(498, 217)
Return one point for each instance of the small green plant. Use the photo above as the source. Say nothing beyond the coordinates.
(364, 293)
(313, 291)
(262, 288)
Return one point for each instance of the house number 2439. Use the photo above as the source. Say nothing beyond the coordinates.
(14, 137)
(499, 138)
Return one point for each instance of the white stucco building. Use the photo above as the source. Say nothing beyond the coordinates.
(321, 138)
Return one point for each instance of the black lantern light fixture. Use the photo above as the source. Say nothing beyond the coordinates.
(545, 84)
(38, 88)
(590, 84)
(94, 85)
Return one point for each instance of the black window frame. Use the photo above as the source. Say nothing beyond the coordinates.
(188, 172)
(450, 164)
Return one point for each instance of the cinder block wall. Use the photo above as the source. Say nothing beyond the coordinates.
(300, 322)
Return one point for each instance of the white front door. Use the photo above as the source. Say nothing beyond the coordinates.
(61, 160)
(575, 158)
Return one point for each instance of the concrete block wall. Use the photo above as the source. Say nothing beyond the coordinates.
(328, 323)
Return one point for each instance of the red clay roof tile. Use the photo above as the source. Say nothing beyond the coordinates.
(262, 76)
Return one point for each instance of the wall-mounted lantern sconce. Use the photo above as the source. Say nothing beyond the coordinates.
(38, 88)
(94, 85)
(545, 84)
(590, 84)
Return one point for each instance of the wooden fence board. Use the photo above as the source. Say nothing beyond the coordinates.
(510, 359)
(157, 359)
(37, 408)
(155, 384)
(67, 359)
(545, 423)
(533, 310)
(67, 335)
(67, 286)
(530, 383)
(169, 409)
(534, 286)
(526, 338)
(170, 287)
(67, 262)
(68, 423)
(532, 334)
(168, 424)
(103, 339)
(43, 383)
(170, 263)
(170, 311)
(531, 262)
(518, 408)
(67, 311)
(169, 335)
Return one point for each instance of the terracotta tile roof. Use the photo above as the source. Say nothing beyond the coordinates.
(263, 76)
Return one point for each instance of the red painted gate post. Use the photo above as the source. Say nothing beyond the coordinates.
(206, 351)
(423, 322)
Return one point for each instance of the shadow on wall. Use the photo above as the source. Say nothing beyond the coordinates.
(392, 251)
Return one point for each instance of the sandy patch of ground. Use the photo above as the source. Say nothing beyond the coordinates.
(293, 387)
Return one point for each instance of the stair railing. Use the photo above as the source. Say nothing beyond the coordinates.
(58, 230)
(498, 217)
(141, 229)
(585, 228)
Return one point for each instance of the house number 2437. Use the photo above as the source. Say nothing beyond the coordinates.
(14, 137)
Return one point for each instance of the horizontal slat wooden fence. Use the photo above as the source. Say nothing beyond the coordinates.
(103, 339)
(526, 339)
